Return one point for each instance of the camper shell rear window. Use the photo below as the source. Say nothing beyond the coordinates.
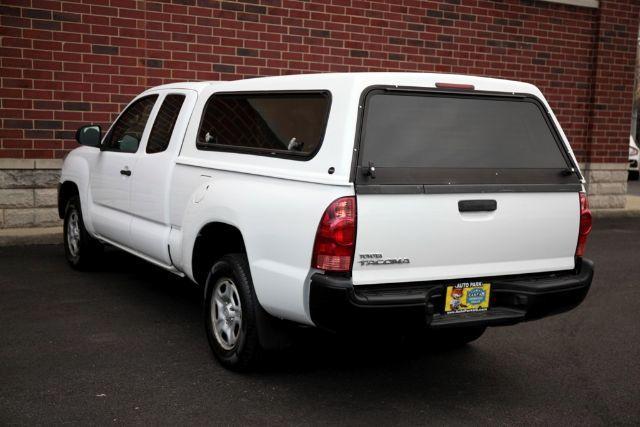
(437, 138)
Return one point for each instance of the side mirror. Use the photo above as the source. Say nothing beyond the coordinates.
(89, 135)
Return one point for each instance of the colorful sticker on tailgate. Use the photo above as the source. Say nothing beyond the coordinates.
(467, 297)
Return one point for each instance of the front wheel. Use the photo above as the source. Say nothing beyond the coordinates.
(231, 314)
(81, 250)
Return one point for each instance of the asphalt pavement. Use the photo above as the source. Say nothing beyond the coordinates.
(126, 345)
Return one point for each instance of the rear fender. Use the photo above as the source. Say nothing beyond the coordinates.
(277, 219)
(202, 208)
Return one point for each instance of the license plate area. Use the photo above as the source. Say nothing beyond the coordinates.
(467, 297)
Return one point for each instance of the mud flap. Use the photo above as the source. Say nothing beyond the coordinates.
(436, 291)
(273, 333)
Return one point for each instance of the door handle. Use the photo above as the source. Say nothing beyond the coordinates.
(477, 205)
(126, 172)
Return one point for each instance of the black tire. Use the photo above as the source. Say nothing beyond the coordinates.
(454, 337)
(634, 175)
(245, 353)
(84, 252)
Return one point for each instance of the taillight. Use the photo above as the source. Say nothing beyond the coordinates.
(336, 236)
(585, 224)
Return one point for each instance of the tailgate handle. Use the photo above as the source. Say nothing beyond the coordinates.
(477, 205)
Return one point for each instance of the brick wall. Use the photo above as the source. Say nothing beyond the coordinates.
(67, 63)
(613, 81)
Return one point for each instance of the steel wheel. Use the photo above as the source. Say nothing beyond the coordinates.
(73, 233)
(226, 313)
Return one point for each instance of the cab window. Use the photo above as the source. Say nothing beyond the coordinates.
(126, 133)
(164, 124)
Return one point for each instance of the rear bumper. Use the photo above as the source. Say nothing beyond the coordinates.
(336, 304)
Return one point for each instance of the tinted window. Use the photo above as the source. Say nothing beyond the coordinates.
(126, 133)
(165, 121)
(455, 134)
(291, 124)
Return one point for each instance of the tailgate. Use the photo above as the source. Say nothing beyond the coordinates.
(417, 237)
(461, 185)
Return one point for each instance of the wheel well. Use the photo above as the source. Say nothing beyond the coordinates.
(67, 190)
(214, 241)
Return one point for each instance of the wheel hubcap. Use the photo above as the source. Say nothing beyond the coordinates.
(73, 233)
(226, 313)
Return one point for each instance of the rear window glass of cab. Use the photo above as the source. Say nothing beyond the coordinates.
(281, 124)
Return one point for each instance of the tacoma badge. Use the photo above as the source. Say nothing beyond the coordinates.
(376, 259)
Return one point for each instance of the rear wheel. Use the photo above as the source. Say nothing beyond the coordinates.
(231, 314)
(454, 337)
(81, 250)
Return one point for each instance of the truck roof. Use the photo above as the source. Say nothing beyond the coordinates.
(358, 80)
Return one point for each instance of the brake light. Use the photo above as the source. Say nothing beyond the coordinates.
(441, 85)
(336, 236)
(585, 224)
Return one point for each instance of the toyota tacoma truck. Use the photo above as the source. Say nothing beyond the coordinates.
(432, 205)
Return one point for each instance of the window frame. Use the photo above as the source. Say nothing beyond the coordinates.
(281, 154)
(357, 172)
(129, 106)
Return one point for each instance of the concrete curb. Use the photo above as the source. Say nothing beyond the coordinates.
(616, 213)
(30, 236)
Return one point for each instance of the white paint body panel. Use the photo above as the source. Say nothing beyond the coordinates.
(110, 192)
(527, 233)
(151, 186)
(278, 221)
(277, 203)
(634, 153)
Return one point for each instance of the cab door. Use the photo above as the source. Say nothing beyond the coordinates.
(151, 179)
(110, 183)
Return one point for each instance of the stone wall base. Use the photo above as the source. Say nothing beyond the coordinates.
(606, 184)
(28, 193)
(28, 190)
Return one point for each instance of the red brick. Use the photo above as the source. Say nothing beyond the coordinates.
(550, 45)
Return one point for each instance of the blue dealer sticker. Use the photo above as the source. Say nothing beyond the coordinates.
(476, 296)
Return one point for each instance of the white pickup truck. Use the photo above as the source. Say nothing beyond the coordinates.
(399, 202)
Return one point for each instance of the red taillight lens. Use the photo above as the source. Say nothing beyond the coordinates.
(585, 224)
(336, 236)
